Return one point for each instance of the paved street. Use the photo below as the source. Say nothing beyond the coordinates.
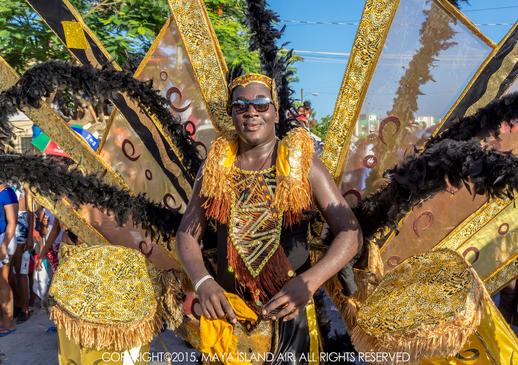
(31, 344)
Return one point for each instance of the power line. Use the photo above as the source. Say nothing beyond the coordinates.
(336, 23)
(505, 7)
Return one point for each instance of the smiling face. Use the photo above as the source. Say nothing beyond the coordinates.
(254, 128)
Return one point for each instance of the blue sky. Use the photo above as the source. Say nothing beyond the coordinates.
(322, 73)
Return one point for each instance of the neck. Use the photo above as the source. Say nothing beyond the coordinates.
(255, 158)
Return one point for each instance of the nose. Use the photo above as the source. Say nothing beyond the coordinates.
(250, 110)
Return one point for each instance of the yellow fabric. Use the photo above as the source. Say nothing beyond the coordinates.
(71, 352)
(217, 338)
(231, 153)
(495, 346)
(313, 334)
(282, 164)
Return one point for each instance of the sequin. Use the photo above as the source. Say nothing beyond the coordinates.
(75, 35)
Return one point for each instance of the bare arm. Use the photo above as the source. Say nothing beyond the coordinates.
(11, 216)
(347, 242)
(44, 222)
(212, 298)
(94, 114)
(54, 233)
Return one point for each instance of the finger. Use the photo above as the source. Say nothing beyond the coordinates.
(217, 308)
(230, 311)
(274, 303)
(284, 312)
(204, 308)
(292, 315)
(211, 311)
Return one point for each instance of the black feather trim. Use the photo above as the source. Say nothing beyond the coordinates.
(484, 123)
(56, 181)
(264, 36)
(42, 80)
(420, 177)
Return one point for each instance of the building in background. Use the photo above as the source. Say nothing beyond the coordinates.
(22, 128)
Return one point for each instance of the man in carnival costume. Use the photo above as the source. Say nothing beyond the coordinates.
(258, 191)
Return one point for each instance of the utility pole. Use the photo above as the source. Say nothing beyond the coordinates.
(302, 96)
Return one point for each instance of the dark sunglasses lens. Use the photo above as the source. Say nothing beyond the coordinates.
(262, 107)
(240, 107)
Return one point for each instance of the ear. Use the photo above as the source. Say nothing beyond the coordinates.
(276, 117)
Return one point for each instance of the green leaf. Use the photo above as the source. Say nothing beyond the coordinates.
(141, 30)
(4, 33)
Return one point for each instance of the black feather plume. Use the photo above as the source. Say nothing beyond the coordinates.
(42, 80)
(56, 181)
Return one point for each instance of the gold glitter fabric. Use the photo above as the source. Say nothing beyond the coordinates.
(255, 224)
(111, 297)
(428, 306)
(65, 250)
(75, 35)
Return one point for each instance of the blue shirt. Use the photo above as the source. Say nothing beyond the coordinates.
(7, 197)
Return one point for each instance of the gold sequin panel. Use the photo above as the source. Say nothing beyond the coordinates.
(108, 284)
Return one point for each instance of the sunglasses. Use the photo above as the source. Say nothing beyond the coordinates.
(260, 105)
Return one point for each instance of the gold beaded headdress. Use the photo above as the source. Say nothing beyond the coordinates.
(249, 79)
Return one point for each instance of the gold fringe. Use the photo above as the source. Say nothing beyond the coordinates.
(215, 174)
(171, 300)
(119, 337)
(443, 341)
(293, 192)
(187, 285)
(367, 280)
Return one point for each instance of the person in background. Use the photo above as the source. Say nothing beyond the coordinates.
(8, 221)
(54, 236)
(25, 242)
(307, 112)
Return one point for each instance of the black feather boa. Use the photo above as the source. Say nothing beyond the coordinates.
(420, 177)
(56, 181)
(264, 36)
(42, 79)
(486, 122)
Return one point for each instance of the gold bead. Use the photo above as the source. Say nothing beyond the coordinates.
(231, 269)
(291, 273)
(257, 292)
(264, 187)
(268, 197)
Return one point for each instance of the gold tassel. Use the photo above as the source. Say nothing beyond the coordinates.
(120, 337)
(217, 167)
(293, 190)
(171, 299)
(187, 285)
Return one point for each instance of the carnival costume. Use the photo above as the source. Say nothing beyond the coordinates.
(262, 234)
(154, 144)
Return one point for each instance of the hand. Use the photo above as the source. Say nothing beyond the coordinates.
(3, 252)
(213, 301)
(290, 300)
(38, 263)
(45, 221)
(29, 244)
